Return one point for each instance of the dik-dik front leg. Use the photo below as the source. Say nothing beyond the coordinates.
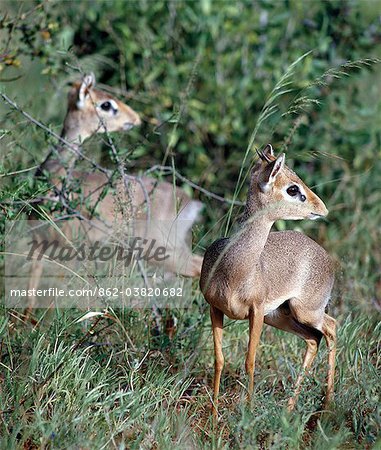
(217, 318)
(256, 318)
(329, 331)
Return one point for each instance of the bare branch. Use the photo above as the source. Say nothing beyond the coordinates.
(73, 148)
(169, 170)
(18, 171)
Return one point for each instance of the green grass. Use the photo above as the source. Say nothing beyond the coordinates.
(104, 394)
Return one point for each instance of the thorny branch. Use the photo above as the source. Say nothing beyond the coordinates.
(60, 139)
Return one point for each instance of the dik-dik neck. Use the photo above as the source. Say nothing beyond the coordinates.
(252, 236)
(63, 156)
(254, 233)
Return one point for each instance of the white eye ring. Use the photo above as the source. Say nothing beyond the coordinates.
(299, 196)
(108, 105)
(114, 105)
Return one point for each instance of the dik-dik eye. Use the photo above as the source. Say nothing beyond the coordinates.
(109, 105)
(106, 106)
(293, 190)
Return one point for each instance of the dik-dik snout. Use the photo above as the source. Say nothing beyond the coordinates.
(93, 111)
(281, 192)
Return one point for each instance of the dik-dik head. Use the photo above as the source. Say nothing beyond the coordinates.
(277, 189)
(93, 111)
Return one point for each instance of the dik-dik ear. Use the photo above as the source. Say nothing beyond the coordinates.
(88, 82)
(271, 172)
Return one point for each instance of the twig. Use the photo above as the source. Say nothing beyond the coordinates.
(169, 169)
(18, 171)
(73, 148)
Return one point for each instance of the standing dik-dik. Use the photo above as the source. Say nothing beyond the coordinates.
(281, 278)
(93, 111)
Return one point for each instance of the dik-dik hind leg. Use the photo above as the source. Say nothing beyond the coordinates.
(255, 328)
(197, 264)
(186, 263)
(284, 320)
(309, 356)
(217, 318)
(194, 266)
(34, 280)
(329, 332)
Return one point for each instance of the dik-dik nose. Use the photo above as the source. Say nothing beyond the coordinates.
(322, 209)
(133, 121)
(137, 120)
(319, 208)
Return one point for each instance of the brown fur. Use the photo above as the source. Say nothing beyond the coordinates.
(280, 278)
(86, 121)
(145, 197)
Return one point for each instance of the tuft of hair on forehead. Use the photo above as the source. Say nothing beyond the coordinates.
(269, 158)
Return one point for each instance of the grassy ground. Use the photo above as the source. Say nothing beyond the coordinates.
(81, 385)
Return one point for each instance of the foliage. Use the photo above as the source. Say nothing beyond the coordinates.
(201, 75)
